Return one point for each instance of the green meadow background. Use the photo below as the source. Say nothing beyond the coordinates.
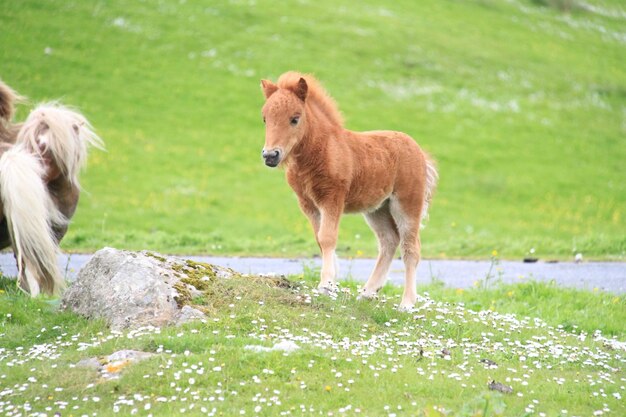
(522, 103)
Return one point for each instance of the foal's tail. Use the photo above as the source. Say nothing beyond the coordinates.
(31, 216)
(62, 133)
(431, 183)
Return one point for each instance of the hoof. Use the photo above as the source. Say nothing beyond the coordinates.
(406, 307)
(328, 289)
(365, 294)
(408, 301)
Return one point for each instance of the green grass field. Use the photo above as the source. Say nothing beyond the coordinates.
(355, 358)
(523, 105)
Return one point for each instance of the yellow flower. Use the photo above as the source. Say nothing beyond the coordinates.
(359, 252)
(494, 253)
(459, 291)
(327, 388)
(510, 293)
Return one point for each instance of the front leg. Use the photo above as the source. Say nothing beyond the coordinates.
(327, 239)
(312, 213)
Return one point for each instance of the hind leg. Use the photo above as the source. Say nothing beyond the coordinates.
(383, 225)
(407, 218)
(28, 281)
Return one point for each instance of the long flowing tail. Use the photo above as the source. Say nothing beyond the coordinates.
(31, 216)
(431, 183)
(62, 133)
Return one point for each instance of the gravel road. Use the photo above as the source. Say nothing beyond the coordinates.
(607, 276)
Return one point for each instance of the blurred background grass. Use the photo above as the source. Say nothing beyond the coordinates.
(523, 104)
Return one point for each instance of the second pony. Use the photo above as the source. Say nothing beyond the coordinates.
(40, 160)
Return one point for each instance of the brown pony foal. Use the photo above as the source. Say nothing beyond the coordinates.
(382, 174)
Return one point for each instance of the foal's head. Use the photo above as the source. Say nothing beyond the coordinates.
(284, 118)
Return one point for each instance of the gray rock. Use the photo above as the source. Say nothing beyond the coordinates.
(498, 386)
(112, 365)
(133, 289)
(92, 363)
(129, 355)
(188, 314)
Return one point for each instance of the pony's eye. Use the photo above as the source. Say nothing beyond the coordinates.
(263, 119)
(294, 120)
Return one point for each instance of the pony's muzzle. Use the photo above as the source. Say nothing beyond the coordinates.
(272, 158)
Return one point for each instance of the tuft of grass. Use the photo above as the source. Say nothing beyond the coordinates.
(33, 321)
(571, 309)
(521, 105)
(427, 362)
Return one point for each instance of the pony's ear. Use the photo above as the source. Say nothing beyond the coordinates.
(268, 87)
(301, 89)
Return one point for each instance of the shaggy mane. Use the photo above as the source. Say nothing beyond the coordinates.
(316, 95)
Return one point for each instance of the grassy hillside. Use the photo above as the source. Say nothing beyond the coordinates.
(522, 103)
(355, 358)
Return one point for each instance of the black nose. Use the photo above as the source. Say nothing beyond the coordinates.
(272, 158)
